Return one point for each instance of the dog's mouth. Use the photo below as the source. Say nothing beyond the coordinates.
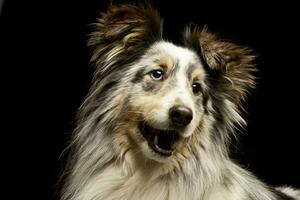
(161, 141)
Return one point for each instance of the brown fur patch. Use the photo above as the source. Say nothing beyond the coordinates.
(196, 74)
(165, 62)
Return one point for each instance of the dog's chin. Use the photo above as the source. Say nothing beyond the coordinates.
(160, 143)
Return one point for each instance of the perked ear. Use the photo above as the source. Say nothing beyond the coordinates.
(229, 66)
(122, 32)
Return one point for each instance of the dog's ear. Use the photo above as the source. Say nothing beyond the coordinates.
(123, 32)
(229, 66)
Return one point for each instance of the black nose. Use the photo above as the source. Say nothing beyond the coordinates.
(181, 115)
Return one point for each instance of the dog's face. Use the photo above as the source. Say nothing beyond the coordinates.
(167, 98)
(157, 95)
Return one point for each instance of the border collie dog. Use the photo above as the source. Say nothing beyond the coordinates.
(157, 121)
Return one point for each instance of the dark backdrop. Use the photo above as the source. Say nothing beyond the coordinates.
(44, 60)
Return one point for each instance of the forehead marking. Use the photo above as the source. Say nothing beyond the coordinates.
(183, 55)
(176, 59)
(165, 62)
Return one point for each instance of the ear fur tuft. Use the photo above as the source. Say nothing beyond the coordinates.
(124, 30)
(229, 66)
(121, 35)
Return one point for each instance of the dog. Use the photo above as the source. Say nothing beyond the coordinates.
(158, 119)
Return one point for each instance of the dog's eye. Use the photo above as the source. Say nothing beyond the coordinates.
(157, 75)
(196, 88)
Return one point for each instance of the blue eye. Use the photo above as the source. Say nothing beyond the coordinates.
(157, 75)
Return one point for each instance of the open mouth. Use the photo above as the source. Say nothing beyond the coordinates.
(161, 141)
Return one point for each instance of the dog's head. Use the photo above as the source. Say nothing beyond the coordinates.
(155, 96)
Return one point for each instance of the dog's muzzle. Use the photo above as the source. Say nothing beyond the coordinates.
(163, 141)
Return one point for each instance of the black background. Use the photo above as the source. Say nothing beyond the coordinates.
(44, 63)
